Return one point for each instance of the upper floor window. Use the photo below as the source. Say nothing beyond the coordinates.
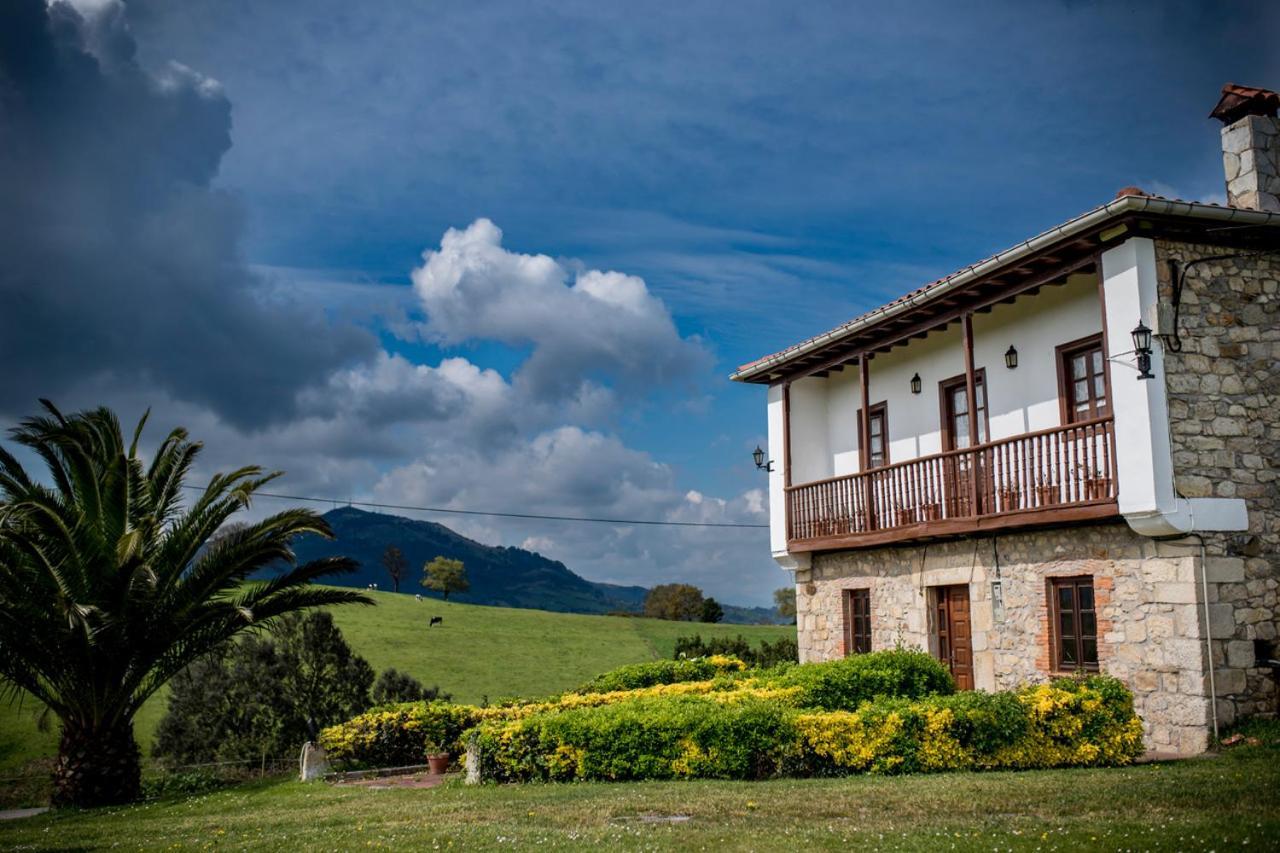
(1075, 624)
(878, 444)
(1082, 380)
(957, 420)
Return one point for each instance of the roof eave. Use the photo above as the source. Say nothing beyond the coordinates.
(1125, 205)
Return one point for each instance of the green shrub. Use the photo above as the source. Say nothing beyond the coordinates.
(684, 737)
(1066, 723)
(397, 736)
(767, 654)
(639, 675)
(1063, 724)
(847, 683)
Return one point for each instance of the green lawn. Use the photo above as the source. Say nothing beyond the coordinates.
(476, 652)
(1225, 803)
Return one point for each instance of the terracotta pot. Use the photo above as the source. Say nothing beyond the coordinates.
(438, 762)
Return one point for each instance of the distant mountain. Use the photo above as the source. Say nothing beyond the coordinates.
(508, 577)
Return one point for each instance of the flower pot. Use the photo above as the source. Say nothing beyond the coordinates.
(1097, 488)
(1048, 495)
(438, 762)
(931, 512)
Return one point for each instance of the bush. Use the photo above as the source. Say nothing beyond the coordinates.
(783, 650)
(684, 737)
(662, 672)
(394, 687)
(847, 683)
(397, 736)
(1066, 723)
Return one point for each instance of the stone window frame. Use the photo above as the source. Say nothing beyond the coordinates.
(848, 636)
(1055, 624)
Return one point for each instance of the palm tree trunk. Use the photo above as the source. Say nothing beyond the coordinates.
(97, 766)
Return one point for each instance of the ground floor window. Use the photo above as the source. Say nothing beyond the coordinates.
(1075, 623)
(857, 621)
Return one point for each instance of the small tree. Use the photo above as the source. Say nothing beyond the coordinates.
(445, 576)
(712, 611)
(324, 680)
(680, 602)
(264, 695)
(784, 600)
(394, 562)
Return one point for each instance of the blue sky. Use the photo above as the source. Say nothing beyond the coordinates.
(767, 170)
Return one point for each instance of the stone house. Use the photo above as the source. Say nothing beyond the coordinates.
(1059, 459)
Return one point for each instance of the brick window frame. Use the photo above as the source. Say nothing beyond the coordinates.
(1046, 660)
(856, 605)
(1082, 608)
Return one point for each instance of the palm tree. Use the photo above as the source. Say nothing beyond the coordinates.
(111, 583)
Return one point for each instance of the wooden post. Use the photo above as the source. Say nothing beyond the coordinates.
(864, 440)
(972, 395)
(1112, 470)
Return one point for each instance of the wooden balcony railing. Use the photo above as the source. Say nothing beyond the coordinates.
(1020, 479)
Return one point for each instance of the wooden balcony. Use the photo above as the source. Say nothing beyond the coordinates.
(1057, 475)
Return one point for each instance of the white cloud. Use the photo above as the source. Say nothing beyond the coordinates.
(602, 326)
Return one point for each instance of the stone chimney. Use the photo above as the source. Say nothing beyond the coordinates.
(1250, 146)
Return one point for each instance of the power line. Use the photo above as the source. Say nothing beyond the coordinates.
(404, 507)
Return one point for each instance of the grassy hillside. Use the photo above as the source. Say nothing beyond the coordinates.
(476, 652)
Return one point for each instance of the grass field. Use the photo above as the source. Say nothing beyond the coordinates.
(1231, 802)
(476, 652)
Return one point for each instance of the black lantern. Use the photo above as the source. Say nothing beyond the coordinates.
(915, 384)
(758, 456)
(1011, 357)
(1142, 348)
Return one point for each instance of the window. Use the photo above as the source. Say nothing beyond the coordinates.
(1082, 380)
(956, 422)
(857, 621)
(1075, 624)
(878, 446)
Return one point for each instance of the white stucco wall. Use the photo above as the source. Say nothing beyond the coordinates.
(824, 411)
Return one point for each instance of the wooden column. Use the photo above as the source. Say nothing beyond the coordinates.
(971, 394)
(786, 434)
(864, 440)
(1106, 370)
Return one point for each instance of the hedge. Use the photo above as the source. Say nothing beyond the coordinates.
(396, 736)
(1065, 723)
(639, 675)
(846, 683)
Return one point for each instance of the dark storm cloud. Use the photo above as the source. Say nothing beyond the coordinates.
(118, 262)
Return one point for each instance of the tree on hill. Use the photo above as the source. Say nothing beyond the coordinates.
(712, 611)
(679, 602)
(109, 586)
(784, 600)
(394, 562)
(445, 576)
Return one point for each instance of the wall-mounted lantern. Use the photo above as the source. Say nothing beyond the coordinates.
(758, 456)
(1011, 357)
(915, 384)
(1142, 347)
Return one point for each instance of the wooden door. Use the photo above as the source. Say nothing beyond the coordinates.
(955, 644)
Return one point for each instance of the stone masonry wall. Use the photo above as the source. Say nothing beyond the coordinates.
(1224, 408)
(1148, 611)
